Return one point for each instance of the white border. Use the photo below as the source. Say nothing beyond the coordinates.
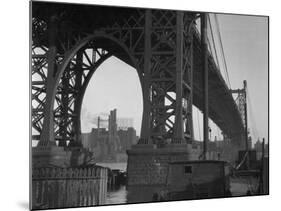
(14, 86)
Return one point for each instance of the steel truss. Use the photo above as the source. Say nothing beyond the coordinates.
(240, 102)
(157, 43)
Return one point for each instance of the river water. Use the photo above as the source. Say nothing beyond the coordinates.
(117, 196)
(238, 187)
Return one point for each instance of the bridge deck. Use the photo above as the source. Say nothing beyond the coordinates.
(222, 107)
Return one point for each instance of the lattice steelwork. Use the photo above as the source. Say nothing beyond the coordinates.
(71, 90)
(38, 77)
(157, 43)
(170, 69)
(240, 100)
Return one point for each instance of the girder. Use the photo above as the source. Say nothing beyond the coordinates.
(71, 90)
(164, 48)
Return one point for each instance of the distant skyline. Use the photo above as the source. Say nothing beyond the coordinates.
(90, 120)
(245, 42)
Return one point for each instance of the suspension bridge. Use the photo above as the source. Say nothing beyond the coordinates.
(177, 63)
(113, 35)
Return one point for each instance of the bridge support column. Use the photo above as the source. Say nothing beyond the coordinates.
(78, 98)
(205, 78)
(64, 109)
(178, 130)
(47, 153)
(146, 117)
(47, 135)
(167, 118)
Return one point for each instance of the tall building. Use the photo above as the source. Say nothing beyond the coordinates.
(109, 144)
(127, 138)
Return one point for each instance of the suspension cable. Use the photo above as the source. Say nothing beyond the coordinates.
(222, 50)
(213, 40)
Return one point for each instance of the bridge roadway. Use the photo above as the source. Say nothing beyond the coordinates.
(222, 107)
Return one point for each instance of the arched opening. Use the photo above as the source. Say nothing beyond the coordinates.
(112, 111)
(74, 75)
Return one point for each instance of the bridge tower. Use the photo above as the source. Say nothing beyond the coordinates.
(66, 51)
(164, 48)
(167, 130)
(241, 101)
(65, 54)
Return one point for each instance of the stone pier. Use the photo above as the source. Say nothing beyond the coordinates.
(148, 169)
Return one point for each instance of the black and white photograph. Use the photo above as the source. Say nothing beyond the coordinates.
(143, 105)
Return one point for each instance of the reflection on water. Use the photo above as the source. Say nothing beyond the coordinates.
(117, 196)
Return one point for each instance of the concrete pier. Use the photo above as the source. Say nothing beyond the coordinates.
(148, 168)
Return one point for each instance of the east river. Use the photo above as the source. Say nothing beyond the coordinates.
(238, 187)
(117, 196)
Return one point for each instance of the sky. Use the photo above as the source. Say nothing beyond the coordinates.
(114, 85)
(245, 43)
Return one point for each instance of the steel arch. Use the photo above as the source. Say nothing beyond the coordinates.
(64, 125)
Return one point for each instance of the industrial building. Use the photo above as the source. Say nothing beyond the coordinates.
(110, 144)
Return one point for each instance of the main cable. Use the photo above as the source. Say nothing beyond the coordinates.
(213, 40)
(222, 50)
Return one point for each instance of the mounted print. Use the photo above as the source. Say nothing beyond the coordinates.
(135, 105)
